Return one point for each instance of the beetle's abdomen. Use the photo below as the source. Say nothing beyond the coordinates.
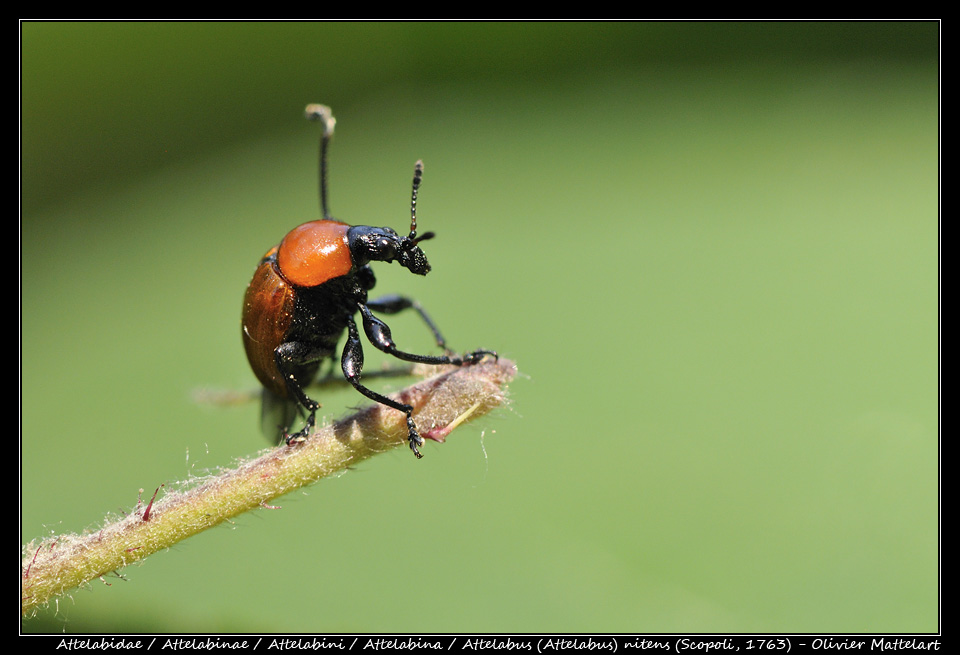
(268, 308)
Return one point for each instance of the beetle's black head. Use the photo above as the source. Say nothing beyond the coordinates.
(382, 244)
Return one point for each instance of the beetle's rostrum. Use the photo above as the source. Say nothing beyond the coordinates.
(304, 296)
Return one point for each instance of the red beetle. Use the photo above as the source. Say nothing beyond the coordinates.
(304, 294)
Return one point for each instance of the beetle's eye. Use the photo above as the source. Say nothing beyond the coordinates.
(386, 248)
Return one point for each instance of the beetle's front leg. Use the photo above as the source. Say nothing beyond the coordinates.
(394, 304)
(379, 335)
(352, 364)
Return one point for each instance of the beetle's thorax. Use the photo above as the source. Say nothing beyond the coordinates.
(315, 252)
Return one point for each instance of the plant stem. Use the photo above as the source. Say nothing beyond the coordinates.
(59, 564)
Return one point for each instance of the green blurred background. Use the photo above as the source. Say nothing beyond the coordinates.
(712, 248)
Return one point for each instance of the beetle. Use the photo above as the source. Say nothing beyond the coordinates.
(304, 295)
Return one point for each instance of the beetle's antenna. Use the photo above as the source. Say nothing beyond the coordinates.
(323, 114)
(417, 178)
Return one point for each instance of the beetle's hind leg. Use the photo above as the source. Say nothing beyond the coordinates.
(277, 414)
(298, 363)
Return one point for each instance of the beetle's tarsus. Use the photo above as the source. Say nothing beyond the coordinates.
(301, 436)
(414, 438)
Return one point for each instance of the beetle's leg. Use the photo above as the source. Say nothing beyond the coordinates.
(352, 365)
(379, 335)
(395, 304)
(277, 414)
(291, 359)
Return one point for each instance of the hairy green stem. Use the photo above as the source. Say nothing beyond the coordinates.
(56, 565)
